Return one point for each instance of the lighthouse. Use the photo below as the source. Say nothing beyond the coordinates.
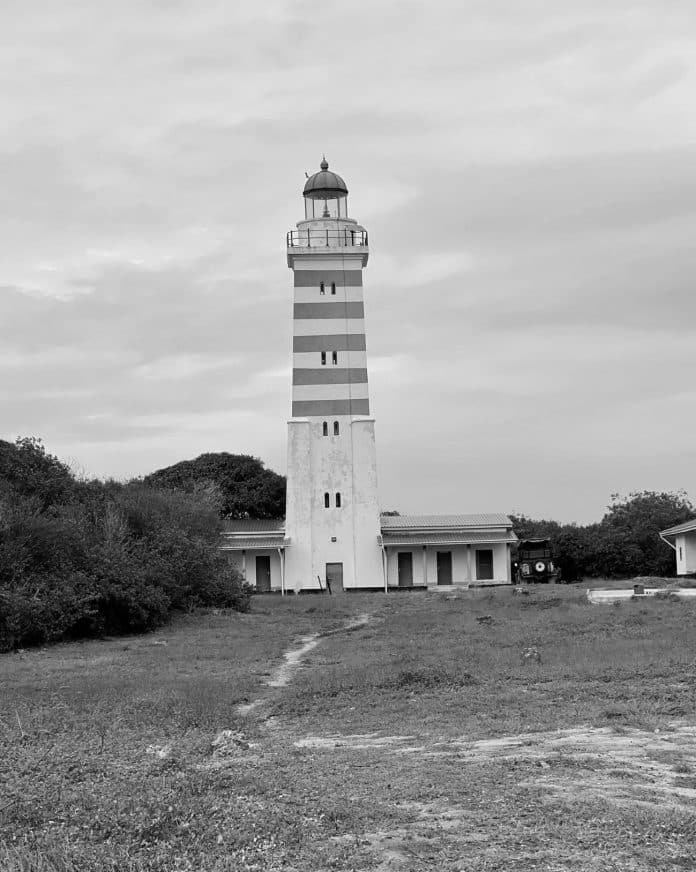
(332, 524)
(333, 536)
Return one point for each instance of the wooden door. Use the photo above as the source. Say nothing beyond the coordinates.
(334, 577)
(263, 573)
(405, 559)
(484, 564)
(444, 567)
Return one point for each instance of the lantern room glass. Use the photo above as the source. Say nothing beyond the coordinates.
(328, 207)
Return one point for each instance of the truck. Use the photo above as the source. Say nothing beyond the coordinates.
(534, 563)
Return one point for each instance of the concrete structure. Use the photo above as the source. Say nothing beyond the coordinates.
(333, 530)
(682, 539)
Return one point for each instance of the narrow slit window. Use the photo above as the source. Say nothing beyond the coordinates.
(325, 428)
(323, 358)
(333, 288)
(322, 289)
(334, 357)
(336, 430)
(338, 501)
(327, 501)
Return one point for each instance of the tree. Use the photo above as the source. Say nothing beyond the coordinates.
(247, 488)
(28, 470)
(629, 532)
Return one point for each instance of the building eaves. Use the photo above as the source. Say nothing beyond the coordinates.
(242, 543)
(686, 527)
(462, 537)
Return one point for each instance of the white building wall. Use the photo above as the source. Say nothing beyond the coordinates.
(298, 508)
(369, 570)
(245, 564)
(463, 564)
(685, 548)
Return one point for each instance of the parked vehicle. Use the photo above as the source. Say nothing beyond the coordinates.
(534, 563)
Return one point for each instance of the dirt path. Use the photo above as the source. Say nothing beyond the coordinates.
(293, 659)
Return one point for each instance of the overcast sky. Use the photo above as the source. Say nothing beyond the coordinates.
(526, 170)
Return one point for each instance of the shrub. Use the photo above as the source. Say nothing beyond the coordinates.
(90, 558)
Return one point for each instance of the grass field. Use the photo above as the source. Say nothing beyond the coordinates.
(415, 735)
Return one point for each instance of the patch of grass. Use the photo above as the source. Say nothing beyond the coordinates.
(107, 763)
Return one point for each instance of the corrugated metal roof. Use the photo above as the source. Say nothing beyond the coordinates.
(253, 525)
(429, 522)
(253, 543)
(686, 527)
(401, 537)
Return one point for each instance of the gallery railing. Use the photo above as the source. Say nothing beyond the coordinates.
(344, 238)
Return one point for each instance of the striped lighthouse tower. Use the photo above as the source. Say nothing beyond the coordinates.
(332, 523)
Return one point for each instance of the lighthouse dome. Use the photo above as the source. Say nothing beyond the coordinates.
(325, 185)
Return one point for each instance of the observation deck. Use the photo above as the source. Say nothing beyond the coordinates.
(329, 241)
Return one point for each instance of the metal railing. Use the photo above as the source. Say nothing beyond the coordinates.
(344, 238)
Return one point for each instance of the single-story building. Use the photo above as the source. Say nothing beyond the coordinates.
(682, 539)
(418, 551)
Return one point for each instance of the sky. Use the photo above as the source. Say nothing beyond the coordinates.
(527, 174)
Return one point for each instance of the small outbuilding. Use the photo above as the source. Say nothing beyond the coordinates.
(683, 539)
(417, 551)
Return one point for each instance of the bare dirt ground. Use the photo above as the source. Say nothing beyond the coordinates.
(367, 733)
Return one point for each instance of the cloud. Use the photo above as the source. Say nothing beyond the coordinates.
(526, 174)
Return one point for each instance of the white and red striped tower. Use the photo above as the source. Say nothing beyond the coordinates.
(332, 518)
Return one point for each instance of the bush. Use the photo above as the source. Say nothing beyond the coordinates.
(624, 544)
(92, 558)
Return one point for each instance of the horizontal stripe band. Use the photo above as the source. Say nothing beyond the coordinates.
(344, 391)
(320, 326)
(329, 375)
(329, 310)
(337, 259)
(312, 295)
(346, 359)
(329, 342)
(308, 408)
(305, 278)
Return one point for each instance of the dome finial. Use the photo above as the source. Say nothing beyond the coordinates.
(324, 165)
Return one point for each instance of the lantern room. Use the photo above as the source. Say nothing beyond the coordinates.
(325, 195)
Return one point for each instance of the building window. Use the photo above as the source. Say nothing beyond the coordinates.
(335, 428)
(334, 357)
(322, 290)
(680, 554)
(338, 501)
(323, 358)
(327, 501)
(333, 287)
(325, 428)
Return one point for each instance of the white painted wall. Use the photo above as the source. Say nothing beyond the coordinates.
(237, 560)
(463, 564)
(685, 548)
(345, 464)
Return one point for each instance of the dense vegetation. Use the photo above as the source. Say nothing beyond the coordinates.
(93, 558)
(247, 489)
(624, 544)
